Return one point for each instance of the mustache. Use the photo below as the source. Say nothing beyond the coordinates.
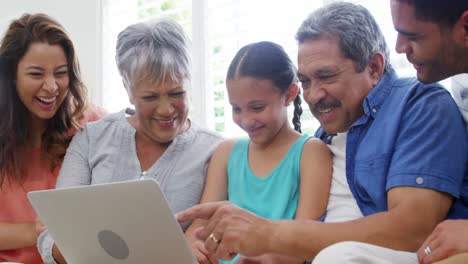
(324, 104)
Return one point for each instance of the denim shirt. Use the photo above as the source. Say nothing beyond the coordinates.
(411, 134)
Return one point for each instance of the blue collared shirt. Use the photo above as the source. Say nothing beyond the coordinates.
(411, 134)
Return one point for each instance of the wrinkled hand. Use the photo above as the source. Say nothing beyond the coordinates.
(235, 230)
(269, 259)
(201, 254)
(448, 238)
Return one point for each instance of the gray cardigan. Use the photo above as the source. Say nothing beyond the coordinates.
(105, 151)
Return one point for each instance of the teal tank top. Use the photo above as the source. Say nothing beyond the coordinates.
(275, 196)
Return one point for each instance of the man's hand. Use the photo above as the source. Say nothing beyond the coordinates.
(449, 238)
(229, 230)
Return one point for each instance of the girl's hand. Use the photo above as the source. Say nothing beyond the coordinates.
(201, 254)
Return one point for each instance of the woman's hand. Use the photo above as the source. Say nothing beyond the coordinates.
(40, 227)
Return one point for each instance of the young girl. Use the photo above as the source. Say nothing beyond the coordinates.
(276, 173)
(42, 102)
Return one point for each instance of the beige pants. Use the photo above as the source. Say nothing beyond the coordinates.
(362, 253)
(457, 259)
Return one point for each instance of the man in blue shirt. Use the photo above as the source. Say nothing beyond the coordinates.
(434, 36)
(402, 144)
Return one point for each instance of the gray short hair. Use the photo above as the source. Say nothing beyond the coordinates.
(359, 35)
(156, 49)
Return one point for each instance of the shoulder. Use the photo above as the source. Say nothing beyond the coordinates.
(104, 127)
(399, 91)
(315, 147)
(223, 150)
(90, 114)
(197, 142)
(93, 113)
(413, 88)
(411, 99)
(226, 146)
(431, 100)
(316, 159)
(204, 135)
(204, 132)
(110, 132)
(110, 119)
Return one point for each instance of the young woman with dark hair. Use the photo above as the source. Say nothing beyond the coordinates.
(43, 102)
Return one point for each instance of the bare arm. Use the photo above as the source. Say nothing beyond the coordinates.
(215, 190)
(316, 173)
(413, 213)
(17, 235)
(216, 180)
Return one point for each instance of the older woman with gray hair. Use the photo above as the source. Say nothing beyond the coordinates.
(158, 140)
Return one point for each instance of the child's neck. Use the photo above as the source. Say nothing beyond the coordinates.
(264, 158)
(285, 136)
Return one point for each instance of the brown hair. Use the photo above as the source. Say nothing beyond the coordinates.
(14, 123)
(267, 60)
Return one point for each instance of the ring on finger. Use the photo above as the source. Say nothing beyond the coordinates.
(214, 239)
(427, 250)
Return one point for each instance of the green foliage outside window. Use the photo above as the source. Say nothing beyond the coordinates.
(219, 111)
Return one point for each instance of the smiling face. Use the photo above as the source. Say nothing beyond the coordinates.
(258, 107)
(42, 79)
(431, 48)
(331, 85)
(161, 110)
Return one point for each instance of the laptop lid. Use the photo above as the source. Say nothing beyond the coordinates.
(122, 222)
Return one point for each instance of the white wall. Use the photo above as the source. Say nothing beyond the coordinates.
(82, 19)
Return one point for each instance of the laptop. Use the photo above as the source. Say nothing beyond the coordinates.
(122, 222)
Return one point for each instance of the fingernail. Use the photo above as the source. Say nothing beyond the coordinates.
(199, 233)
(180, 217)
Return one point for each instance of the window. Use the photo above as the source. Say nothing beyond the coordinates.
(117, 15)
(219, 28)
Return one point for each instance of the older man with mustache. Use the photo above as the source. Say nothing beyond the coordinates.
(399, 155)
